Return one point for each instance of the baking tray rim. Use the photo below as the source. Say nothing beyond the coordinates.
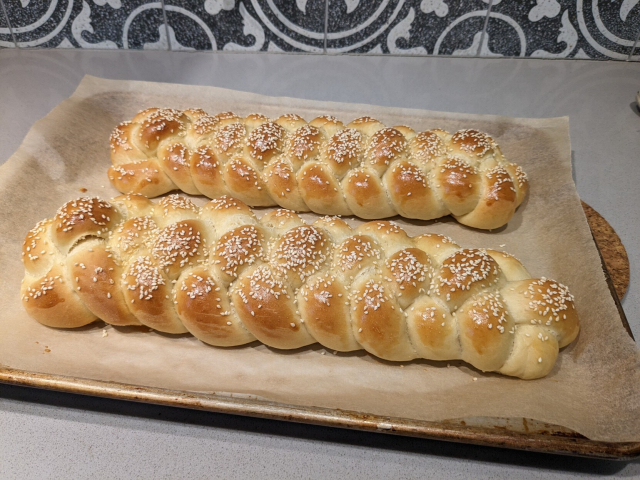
(558, 442)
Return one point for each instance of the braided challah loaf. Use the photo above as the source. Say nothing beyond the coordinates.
(229, 279)
(363, 169)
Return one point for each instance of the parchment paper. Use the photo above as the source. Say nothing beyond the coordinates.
(594, 388)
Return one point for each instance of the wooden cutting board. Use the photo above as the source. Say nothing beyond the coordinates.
(611, 248)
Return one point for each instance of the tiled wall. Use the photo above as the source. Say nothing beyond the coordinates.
(604, 29)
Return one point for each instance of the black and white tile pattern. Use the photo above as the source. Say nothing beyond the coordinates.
(404, 27)
(6, 37)
(563, 28)
(247, 25)
(609, 28)
(104, 24)
(598, 29)
(359, 26)
(292, 25)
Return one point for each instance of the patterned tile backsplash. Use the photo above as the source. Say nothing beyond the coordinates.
(598, 29)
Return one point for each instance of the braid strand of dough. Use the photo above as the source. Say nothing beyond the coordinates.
(229, 279)
(363, 168)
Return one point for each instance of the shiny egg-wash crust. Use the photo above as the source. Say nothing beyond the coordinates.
(229, 279)
(363, 168)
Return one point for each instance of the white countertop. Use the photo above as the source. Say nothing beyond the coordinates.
(54, 435)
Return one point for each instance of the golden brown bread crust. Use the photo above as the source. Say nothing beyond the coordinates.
(363, 168)
(433, 330)
(204, 308)
(483, 321)
(95, 276)
(412, 271)
(52, 301)
(147, 293)
(319, 190)
(379, 320)
(464, 274)
(237, 249)
(547, 306)
(265, 304)
(229, 279)
(81, 218)
(322, 303)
